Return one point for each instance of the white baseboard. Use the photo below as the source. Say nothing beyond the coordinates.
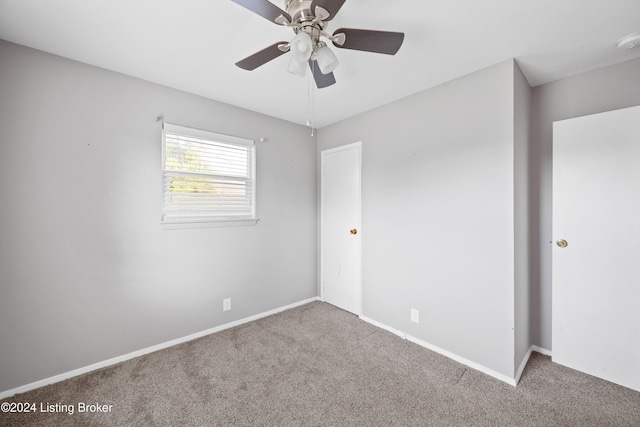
(541, 350)
(450, 355)
(464, 361)
(523, 364)
(533, 348)
(115, 360)
(385, 327)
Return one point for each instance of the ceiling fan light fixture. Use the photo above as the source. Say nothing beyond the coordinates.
(327, 61)
(309, 19)
(297, 67)
(302, 47)
(629, 41)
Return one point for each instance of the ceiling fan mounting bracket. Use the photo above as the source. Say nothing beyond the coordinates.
(300, 11)
(338, 39)
(282, 20)
(303, 19)
(321, 13)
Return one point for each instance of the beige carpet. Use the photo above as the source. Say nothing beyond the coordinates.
(316, 365)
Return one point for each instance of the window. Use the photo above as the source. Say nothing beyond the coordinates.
(207, 177)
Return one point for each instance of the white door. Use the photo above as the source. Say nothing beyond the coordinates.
(596, 276)
(340, 257)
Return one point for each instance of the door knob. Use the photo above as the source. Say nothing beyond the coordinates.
(562, 243)
(354, 231)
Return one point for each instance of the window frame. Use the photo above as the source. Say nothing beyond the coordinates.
(169, 221)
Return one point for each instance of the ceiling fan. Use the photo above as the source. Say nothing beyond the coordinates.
(309, 20)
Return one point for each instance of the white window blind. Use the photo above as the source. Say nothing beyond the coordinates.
(206, 176)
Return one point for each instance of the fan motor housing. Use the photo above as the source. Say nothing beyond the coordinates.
(300, 10)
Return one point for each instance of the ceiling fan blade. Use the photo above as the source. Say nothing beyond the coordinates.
(331, 6)
(322, 80)
(386, 42)
(262, 57)
(264, 8)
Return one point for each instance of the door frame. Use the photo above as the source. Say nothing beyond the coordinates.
(323, 154)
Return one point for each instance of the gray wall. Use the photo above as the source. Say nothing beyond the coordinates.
(87, 273)
(399, 280)
(601, 90)
(438, 214)
(522, 208)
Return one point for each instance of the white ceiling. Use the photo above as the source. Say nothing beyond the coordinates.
(192, 45)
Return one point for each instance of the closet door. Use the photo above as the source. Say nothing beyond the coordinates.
(596, 245)
(340, 257)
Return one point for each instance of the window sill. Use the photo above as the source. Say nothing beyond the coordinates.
(209, 224)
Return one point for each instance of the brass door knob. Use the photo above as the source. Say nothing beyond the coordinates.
(354, 231)
(562, 243)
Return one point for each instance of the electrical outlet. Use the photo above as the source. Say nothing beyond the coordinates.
(226, 304)
(415, 315)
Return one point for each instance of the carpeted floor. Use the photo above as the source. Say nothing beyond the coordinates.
(316, 365)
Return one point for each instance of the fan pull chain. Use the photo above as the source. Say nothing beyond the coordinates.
(311, 98)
